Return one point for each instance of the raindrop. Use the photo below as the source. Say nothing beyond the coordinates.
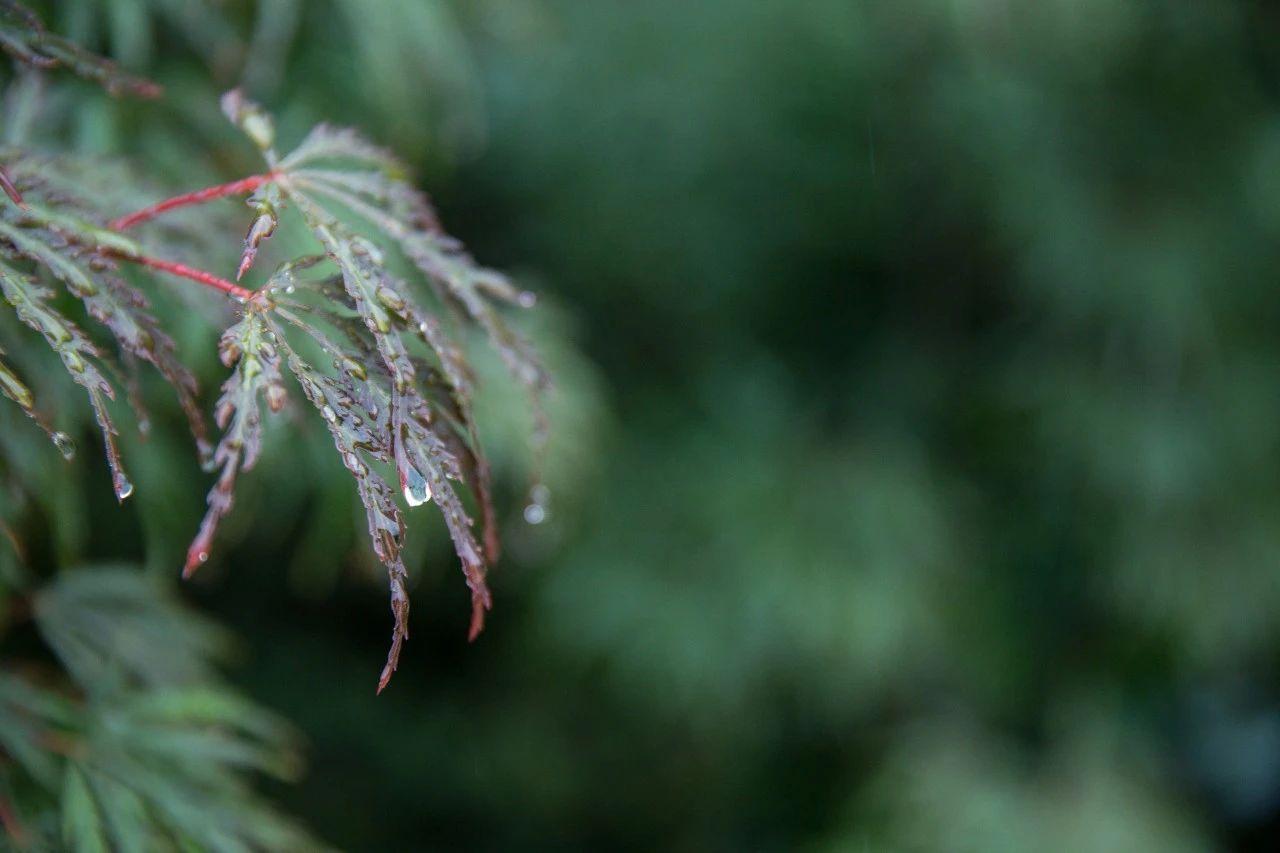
(527, 299)
(65, 445)
(124, 488)
(536, 511)
(416, 490)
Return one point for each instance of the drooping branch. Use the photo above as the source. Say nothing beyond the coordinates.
(240, 187)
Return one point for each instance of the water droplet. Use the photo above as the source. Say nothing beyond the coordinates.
(416, 490)
(123, 487)
(527, 299)
(65, 445)
(329, 414)
(536, 511)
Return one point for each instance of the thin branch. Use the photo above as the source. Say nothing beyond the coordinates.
(207, 279)
(240, 187)
(9, 189)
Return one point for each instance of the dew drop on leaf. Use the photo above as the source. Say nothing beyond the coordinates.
(65, 445)
(123, 487)
(536, 511)
(416, 490)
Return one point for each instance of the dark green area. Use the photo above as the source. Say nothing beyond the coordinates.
(916, 458)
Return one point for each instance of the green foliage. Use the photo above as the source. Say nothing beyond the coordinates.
(23, 36)
(918, 491)
(413, 415)
(67, 240)
(124, 739)
(117, 734)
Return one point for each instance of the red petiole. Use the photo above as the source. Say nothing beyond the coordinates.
(240, 187)
(207, 279)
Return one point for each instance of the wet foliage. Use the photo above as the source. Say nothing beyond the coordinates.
(115, 731)
(396, 389)
(55, 239)
(390, 383)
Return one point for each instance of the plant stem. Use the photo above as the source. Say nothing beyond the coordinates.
(9, 189)
(207, 279)
(240, 187)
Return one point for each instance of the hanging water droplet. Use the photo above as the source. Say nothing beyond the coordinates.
(124, 488)
(536, 511)
(65, 445)
(416, 490)
(527, 299)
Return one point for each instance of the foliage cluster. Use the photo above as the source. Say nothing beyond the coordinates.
(136, 746)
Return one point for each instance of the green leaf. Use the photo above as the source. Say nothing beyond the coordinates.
(125, 812)
(114, 628)
(250, 346)
(24, 37)
(82, 826)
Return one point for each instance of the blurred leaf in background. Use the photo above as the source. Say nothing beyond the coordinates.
(150, 752)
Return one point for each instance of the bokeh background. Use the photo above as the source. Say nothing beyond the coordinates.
(915, 471)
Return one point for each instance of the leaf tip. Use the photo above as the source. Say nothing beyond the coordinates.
(480, 604)
(196, 557)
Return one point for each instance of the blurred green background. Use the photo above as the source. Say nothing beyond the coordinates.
(915, 469)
